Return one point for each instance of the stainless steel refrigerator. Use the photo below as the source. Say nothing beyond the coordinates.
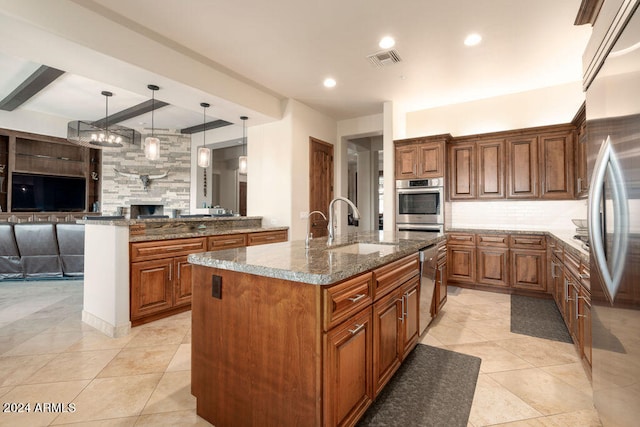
(613, 153)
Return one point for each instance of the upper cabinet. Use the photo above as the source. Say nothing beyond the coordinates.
(580, 157)
(535, 163)
(420, 157)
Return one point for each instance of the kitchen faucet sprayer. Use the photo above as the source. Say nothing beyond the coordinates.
(309, 235)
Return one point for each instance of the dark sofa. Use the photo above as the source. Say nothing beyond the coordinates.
(41, 250)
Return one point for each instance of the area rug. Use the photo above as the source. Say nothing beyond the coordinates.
(539, 318)
(433, 387)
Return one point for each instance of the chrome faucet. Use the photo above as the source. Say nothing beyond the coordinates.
(330, 226)
(309, 235)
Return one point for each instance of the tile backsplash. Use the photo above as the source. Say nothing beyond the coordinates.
(518, 215)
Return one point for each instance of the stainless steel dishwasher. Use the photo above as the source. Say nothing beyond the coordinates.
(428, 267)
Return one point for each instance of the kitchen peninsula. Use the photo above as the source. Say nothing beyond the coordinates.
(293, 336)
(137, 270)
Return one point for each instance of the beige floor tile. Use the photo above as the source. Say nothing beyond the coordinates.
(429, 339)
(540, 352)
(173, 393)
(494, 358)
(187, 337)
(557, 396)
(171, 419)
(494, 329)
(6, 389)
(15, 369)
(114, 422)
(63, 392)
(80, 365)
(153, 335)
(46, 343)
(494, 404)
(181, 360)
(95, 340)
(572, 374)
(583, 418)
(454, 334)
(108, 398)
(136, 361)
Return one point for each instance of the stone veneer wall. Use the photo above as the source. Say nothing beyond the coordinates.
(172, 191)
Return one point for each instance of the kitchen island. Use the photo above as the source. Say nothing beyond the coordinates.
(289, 336)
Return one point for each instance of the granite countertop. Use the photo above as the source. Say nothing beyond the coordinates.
(318, 265)
(128, 222)
(203, 233)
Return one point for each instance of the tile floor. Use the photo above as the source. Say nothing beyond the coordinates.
(47, 355)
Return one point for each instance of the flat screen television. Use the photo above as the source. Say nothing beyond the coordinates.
(45, 193)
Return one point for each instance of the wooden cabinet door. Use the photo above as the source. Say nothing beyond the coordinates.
(462, 171)
(491, 170)
(441, 287)
(556, 166)
(406, 162)
(410, 324)
(522, 168)
(493, 266)
(348, 386)
(387, 340)
(151, 287)
(431, 160)
(585, 325)
(181, 278)
(461, 264)
(557, 283)
(528, 269)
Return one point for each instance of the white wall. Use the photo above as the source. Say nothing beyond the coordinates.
(29, 121)
(547, 106)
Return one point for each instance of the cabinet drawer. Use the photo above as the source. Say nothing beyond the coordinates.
(266, 237)
(159, 249)
(461, 239)
(344, 299)
(389, 277)
(227, 241)
(572, 263)
(528, 241)
(442, 252)
(493, 240)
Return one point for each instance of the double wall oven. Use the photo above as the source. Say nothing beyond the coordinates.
(420, 204)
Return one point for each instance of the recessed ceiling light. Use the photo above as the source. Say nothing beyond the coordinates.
(473, 39)
(329, 82)
(387, 42)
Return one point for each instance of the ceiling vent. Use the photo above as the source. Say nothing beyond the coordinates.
(384, 58)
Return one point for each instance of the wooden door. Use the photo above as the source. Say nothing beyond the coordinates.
(411, 322)
(431, 160)
(387, 344)
(181, 281)
(491, 170)
(320, 184)
(522, 168)
(528, 269)
(462, 171)
(556, 166)
(406, 162)
(151, 287)
(493, 266)
(348, 386)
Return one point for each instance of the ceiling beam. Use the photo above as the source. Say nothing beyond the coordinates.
(37, 81)
(131, 112)
(207, 126)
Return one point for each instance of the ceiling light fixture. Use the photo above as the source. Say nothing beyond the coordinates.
(387, 42)
(473, 39)
(151, 143)
(204, 154)
(242, 160)
(329, 82)
(92, 134)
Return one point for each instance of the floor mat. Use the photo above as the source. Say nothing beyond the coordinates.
(539, 318)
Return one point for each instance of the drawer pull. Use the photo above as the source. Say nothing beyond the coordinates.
(357, 298)
(357, 329)
(584, 276)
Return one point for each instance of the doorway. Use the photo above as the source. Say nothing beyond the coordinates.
(320, 183)
(365, 179)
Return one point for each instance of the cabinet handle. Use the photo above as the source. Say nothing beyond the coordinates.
(170, 272)
(579, 185)
(553, 270)
(401, 318)
(357, 298)
(406, 305)
(584, 276)
(357, 329)
(178, 273)
(566, 290)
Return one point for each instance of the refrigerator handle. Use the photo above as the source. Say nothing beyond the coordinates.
(611, 279)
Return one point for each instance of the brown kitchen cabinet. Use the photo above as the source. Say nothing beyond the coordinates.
(528, 262)
(462, 171)
(265, 237)
(491, 169)
(226, 241)
(522, 167)
(581, 177)
(493, 259)
(151, 287)
(461, 257)
(440, 297)
(556, 165)
(420, 157)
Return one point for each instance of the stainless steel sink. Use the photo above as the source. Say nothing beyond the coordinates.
(364, 249)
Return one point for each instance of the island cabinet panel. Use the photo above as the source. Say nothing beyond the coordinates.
(440, 297)
(556, 166)
(522, 174)
(348, 375)
(151, 290)
(387, 343)
(257, 350)
(226, 241)
(394, 274)
(343, 300)
(142, 251)
(264, 237)
(491, 169)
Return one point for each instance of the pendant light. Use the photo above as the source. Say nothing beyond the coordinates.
(204, 154)
(242, 160)
(151, 143)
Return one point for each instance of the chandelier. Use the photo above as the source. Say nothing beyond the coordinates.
(92, 134)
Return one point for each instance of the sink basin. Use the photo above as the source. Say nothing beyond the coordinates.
(364, 249)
